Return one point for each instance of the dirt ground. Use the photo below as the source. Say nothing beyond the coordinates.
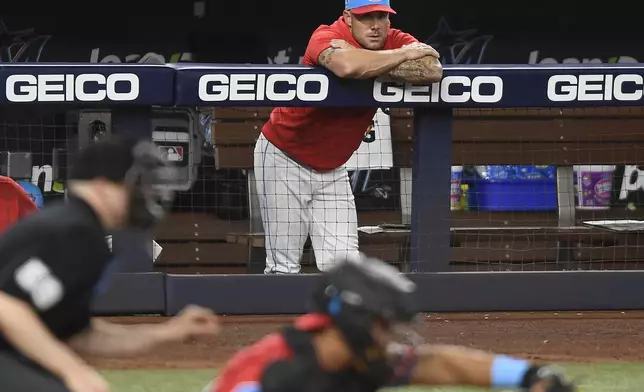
(563, 336)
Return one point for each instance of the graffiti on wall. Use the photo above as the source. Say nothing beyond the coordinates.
(147, 58)
(458, 46)
(284, 56)
(535, 58)
(20, 46)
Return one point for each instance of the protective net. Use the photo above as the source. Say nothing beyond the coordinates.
(531, 190)
(547, 189)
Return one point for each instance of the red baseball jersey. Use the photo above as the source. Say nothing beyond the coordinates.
(245, 370)
(325, 138)
(15, 202)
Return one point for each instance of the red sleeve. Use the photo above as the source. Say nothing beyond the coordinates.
(319, 42)
(27, 205)
(399, 38)
(16, 192)
(245, 370)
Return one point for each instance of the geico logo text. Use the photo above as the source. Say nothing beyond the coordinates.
(566, 88)
(452, 89)
(69, 88)
(260, 87)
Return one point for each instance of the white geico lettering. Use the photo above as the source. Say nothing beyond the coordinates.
(566, 88)
(259, 87)
(68, 88)
(471, 90)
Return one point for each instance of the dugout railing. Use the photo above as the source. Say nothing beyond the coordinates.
(490, 106)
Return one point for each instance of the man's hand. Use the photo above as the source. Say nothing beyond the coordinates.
(418, 50)
(86, 380)
(423, 47)
(341, 44)
(115, 340)
(193, 322)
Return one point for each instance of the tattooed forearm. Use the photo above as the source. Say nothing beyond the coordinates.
(425, 70)
(325, 57)
(355, 63)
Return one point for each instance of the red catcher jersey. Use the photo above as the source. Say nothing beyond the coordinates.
(245, 370)
(325, 138)
(15, 203)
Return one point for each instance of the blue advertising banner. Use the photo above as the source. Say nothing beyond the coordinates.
(191, 85)
(87, 84)
(461, 87)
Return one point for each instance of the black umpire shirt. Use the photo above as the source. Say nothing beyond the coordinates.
(53, 260)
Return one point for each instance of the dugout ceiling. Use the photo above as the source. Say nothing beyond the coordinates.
(263, 31)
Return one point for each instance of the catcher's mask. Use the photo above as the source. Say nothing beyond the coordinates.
(148, 182)
(366, 299)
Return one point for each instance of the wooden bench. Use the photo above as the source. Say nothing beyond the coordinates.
(195, 243)
(484, 240)
(391, 247)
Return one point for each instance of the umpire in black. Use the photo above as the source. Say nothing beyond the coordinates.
(51, 262)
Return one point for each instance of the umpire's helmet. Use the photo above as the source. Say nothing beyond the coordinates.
(139, 166)
(358, 292)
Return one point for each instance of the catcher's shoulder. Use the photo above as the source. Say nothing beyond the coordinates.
(272, 347)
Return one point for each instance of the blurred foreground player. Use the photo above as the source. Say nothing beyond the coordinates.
(51, 262)
(347, 344)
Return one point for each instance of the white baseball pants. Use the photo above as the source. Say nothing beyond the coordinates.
(296, 202)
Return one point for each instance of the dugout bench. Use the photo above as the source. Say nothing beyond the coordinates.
(480, 241)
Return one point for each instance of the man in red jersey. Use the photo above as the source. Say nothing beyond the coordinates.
(302, 184)
(347, 344)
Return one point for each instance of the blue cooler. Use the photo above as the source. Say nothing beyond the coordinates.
(514, 188)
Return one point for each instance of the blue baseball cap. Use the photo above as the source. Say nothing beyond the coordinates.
(365, 6)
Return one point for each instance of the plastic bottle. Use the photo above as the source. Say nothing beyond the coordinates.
(465, 188)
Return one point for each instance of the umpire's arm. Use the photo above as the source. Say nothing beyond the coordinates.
(106, 339)
(21, 327)
(103, 338)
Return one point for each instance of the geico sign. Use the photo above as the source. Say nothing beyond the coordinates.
(566, 88)
(452, 89)
(259, 87)
(69, 88)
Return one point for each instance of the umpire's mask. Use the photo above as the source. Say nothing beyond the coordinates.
(148, 182)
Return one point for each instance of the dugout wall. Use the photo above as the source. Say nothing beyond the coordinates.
(133, 91)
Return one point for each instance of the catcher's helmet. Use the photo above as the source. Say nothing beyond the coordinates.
(358, 292)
